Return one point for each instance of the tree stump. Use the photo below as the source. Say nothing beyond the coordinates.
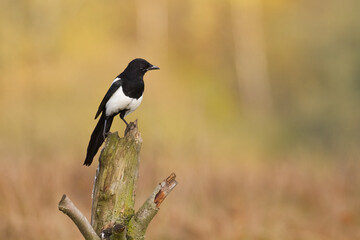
(113, 215)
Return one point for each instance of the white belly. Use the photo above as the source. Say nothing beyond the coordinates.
(135, 103)
(119, 101)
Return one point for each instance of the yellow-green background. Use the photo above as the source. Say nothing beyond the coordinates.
(277, 160)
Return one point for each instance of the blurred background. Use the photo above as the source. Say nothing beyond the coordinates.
(255, 108)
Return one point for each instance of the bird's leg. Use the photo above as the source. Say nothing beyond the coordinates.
(104, 133)
(125, 121)
(122, 116)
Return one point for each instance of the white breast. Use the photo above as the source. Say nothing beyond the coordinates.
(119, 101)
(135, 103)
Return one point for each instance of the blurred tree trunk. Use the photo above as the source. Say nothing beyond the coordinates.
(250, 55)
(113, 215)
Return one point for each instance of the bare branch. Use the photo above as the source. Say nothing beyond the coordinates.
(139, 223)
(68, 207)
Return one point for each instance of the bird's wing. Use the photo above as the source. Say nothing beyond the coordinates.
(114, 86)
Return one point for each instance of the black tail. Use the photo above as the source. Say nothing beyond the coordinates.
(97, 138)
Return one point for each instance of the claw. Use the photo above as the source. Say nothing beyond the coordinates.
(106, 134)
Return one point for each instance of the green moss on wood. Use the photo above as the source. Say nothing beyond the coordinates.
(114, 189)
(139, 223)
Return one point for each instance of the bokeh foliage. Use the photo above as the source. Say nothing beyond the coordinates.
(201, 114)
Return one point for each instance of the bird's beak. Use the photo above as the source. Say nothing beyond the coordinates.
(153, 67)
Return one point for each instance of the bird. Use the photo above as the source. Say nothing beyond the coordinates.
(123, 97)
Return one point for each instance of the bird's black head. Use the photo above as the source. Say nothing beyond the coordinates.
(138, 67)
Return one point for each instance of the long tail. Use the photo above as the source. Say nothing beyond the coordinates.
(97, 138)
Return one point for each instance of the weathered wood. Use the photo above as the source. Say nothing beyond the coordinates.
(67, 207)
(139, 223)
(115, 181)
(113, 216)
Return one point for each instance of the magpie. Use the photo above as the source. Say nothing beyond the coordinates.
(123, 97)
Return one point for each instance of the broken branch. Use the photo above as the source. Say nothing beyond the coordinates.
(68, 207)
(140, 221)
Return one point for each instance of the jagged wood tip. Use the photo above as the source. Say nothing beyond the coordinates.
(166, 186)
(132, 129)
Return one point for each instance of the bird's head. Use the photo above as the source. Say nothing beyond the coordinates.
(139, 67)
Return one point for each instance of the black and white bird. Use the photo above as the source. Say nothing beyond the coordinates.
(123, 97)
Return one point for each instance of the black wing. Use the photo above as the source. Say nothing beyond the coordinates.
(109, 93)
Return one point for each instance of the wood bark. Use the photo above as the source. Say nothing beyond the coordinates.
(113, 215)
(115, 181)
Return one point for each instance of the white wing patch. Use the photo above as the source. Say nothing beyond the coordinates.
(119, 101)
(116, 79)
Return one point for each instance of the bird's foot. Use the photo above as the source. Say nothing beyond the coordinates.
(127, 129)
(106, 134)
